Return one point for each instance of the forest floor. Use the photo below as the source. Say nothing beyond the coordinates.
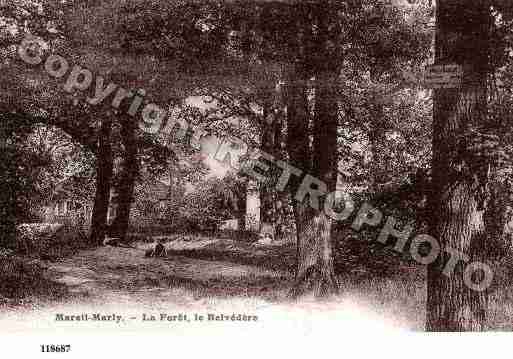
(219, 274)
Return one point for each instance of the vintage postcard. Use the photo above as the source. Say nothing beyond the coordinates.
(240, 177)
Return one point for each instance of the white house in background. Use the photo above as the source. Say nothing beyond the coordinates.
(230, 224)
(66, 207)
(63, 208)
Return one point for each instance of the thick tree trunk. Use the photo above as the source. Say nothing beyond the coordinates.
(10, 186)
(315, 271)
(458, 184)
(104, 169)
(497, 216)
(316, 249)
(126, 185)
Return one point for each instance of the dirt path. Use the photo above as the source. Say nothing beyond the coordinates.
(112, 280)
(109, 273)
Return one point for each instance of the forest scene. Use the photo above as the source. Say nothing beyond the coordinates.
(245, 153)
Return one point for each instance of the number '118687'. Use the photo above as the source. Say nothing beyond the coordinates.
(55, 348)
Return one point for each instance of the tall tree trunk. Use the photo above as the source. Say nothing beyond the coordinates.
(459, 181)
(297, 139)
(315, 268)
(282, 198)
(271, 143)
(126, 185)
(315, 271)
(242, 205)
(104, 170)
(267, 192)
(316, 248)
(10, 190)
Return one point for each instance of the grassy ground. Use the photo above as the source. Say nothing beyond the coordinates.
(201, 271)
(22, 280)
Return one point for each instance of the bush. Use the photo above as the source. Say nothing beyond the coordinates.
(21, 278)
(49, 241)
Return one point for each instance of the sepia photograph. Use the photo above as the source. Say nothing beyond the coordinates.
(255, 174)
